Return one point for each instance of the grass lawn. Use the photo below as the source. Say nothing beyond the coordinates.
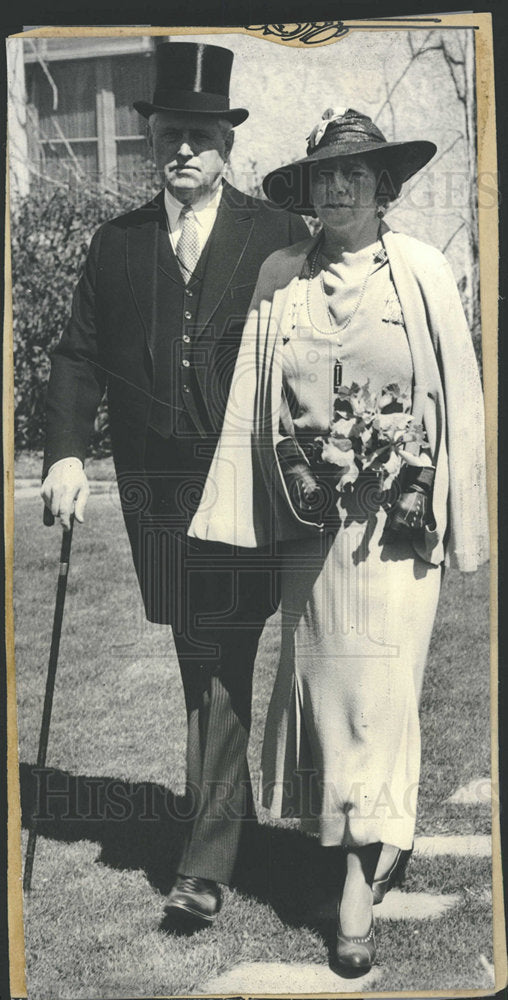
(28, 465)
(95, 917)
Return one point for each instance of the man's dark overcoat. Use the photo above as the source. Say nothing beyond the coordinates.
(164, 353)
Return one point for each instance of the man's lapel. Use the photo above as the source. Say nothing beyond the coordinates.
(228, 242)
(151, 265)
(142, 253)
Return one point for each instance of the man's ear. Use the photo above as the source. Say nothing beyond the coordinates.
(230, 138)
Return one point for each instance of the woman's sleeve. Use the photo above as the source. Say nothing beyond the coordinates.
(235, 505)
(468, 544)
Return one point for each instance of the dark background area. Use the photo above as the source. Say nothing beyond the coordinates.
(233, 13)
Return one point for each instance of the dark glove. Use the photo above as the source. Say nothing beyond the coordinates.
(413, 509)
(306, 494)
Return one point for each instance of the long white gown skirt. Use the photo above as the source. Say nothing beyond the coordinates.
(342, 738)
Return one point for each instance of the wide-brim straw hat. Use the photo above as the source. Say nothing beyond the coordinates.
(194, 78)
(345, 133)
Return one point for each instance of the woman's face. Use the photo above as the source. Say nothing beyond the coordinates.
(344, 193)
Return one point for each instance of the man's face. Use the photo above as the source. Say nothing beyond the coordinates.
(190, 151)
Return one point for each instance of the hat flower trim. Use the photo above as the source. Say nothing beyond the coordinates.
(328, 116)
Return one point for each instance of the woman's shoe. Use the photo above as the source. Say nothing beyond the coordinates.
(356, 954)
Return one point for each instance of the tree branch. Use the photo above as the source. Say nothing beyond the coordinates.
(421, 175)
(451, 62)
(452, 237)
(389, 101)
(462, 47)
(415, 54)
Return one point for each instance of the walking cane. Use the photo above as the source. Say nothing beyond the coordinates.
(65, 553)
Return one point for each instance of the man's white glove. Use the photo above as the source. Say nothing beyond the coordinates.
(65, 490)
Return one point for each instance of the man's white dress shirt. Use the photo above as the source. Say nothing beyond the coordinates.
(204, 211)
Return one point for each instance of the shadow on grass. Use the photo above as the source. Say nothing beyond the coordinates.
(142, 825)
(136, 824)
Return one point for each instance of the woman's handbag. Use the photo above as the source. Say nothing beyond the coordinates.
(308, 495)
(304, 492)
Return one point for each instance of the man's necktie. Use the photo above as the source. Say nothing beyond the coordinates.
(187, 248)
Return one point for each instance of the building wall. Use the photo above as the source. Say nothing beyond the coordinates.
(80, 120)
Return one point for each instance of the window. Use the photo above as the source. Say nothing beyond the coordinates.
(81, 123)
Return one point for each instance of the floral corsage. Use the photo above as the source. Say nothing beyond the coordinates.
(370, 432)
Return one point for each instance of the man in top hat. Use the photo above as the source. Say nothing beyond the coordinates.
(156, 320)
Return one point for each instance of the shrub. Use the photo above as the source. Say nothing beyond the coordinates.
(50, 238)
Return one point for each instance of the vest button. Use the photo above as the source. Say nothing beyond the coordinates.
(188, 292)
(185, 388)
(187, 314)
(185, 363)
(186, 338)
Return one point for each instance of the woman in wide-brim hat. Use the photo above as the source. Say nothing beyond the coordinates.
(343, 134)
(356, 306)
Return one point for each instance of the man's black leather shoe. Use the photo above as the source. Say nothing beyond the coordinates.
(200, 898)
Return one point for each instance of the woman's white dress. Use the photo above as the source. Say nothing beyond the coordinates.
(342, 741)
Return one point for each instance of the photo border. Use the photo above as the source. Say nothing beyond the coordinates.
(489, 266)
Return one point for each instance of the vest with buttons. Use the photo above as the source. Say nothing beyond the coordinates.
(176, 393)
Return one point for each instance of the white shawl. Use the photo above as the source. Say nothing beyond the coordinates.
(244, 501)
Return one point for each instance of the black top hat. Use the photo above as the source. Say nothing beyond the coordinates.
(344, 133)
(193, 77)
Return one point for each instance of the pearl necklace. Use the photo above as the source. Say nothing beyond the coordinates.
(343, 326)
(378, 257)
